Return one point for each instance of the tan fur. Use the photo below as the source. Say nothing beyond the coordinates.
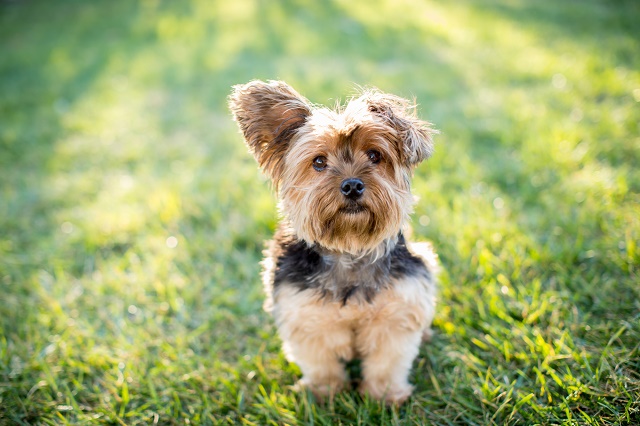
(319, 335)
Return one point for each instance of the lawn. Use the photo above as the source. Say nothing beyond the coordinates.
(132, 218)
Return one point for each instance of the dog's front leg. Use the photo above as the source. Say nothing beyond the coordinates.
(315, 337)
(387, 359)
(388, 340)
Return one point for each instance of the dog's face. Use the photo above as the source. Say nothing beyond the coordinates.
(343, 176)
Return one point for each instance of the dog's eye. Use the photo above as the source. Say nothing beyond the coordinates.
(320, 163)
(374, 156)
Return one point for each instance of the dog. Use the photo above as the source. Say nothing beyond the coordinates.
(341, 280)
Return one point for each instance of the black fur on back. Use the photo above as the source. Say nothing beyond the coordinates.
(341, 277)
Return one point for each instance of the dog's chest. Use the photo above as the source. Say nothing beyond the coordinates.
(345, 277)
(340, 277)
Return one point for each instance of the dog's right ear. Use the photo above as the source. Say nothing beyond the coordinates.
(269, 114)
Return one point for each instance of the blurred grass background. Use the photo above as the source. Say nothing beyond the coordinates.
(132, 217)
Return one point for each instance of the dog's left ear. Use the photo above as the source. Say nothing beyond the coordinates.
(414, 135)
(269, 115)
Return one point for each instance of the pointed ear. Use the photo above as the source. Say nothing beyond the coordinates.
(269, 115)
(415, 135)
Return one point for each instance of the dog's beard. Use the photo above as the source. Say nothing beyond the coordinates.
(352, 220)
(343, 225)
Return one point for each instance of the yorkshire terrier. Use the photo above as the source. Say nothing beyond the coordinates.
(341, 280)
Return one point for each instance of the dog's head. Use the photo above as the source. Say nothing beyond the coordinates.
(343, 176)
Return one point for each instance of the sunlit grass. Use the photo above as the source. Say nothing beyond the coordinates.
(132, 217)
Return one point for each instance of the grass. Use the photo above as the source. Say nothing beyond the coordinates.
(132, 217)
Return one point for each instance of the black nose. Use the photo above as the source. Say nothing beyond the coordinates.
(352, 188)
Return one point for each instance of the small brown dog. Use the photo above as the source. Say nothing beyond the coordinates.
(341, 281)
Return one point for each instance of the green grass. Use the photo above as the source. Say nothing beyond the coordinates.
(115, 137)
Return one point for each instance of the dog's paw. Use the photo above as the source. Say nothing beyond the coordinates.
(390, 394)
(322, 391)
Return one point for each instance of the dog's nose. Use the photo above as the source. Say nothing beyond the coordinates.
(352, 188)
